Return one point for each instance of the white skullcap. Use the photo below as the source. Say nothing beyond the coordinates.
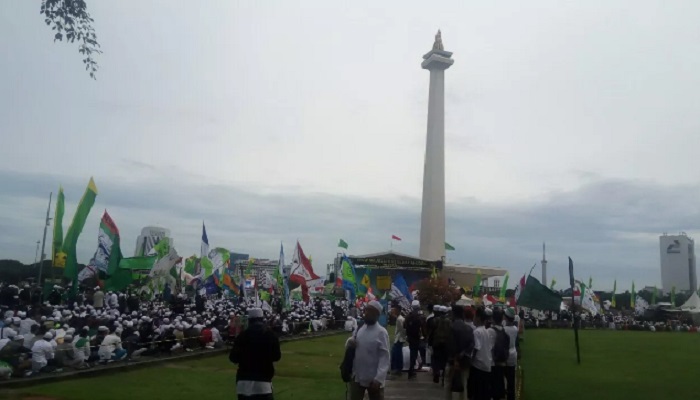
(415, 304)
(255, 313)
(48, 336)
(377, 305)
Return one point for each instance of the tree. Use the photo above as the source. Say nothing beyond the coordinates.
(71, 21)
(437, 291)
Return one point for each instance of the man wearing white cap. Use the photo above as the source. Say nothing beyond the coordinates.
(255, 350)
(371, 363)
(42, 353)
(98, 299)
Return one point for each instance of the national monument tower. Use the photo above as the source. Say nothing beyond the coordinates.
(432, 226)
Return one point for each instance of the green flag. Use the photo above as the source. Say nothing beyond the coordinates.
(57, 254)
(249, 269)
(502, 297)
(538, 296)
(191, 264)
(342, 243)
(477, 284)
(76, 227)
(653, 296)
(613, 304)
(554, 282)
(448, 246)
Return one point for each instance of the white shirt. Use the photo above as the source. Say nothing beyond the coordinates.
(215, 335)
(371, 355)
(512, 332)
(7, 332)
(109, 344)
(42, 351)
(400, 333)
(25, 326)
(98, 299)
(484, 341)
(29, 340)
(252, 388)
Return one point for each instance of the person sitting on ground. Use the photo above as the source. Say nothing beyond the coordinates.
(16, 355)
(43, 354)
(133, 346)
(111, 347)
(67, 356)
(81, 344)
(32, 336)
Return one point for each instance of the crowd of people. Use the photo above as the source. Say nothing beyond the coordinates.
(472, 351)
(100, 327)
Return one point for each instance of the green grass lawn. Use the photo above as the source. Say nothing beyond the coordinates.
(308, 370)
(614, 365)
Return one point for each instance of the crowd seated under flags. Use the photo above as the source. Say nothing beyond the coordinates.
(102, 328)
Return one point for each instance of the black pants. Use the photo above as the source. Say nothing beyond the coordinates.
(256, 397)
(481, 384)
(510, 383)
(498, 385)
(413, 351)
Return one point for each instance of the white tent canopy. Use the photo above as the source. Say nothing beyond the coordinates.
(693, 303)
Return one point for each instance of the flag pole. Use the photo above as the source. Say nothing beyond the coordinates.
(573, 309)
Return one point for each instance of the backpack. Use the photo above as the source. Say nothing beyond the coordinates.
(348, 361)
(443, 332)
(501, 349)
(413, 327)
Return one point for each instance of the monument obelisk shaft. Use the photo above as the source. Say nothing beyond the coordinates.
(432, 227)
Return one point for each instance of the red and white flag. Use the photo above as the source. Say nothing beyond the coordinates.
(301, 270)
(394, 237)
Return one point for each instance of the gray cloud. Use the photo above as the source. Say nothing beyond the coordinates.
(610, 228)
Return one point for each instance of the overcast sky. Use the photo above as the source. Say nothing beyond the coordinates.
(573, 123)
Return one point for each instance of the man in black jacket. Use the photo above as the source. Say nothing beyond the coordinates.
(255, 351)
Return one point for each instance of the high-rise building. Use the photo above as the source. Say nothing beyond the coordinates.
(678, 263)
(148, 238)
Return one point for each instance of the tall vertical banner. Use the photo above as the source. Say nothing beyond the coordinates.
(572, 283)
(76, 227)
(57, 254)
(106, 259)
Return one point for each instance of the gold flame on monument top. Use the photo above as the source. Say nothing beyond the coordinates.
(438, 42)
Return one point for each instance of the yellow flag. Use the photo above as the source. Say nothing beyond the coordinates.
(365, 281)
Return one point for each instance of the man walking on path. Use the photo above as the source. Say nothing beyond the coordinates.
(371, 363)
(399, 340)
(415, 325)
(255, 350)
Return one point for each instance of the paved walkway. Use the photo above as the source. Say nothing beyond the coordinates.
(422, 388)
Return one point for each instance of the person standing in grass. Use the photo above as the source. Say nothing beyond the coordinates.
(255, 351)
(512, 331)
(371, 363)
(480, 372)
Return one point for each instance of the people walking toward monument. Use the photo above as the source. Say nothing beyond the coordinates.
(399, 340)
(255, 351)
(415, 327)
(480, 371)
(512, 330)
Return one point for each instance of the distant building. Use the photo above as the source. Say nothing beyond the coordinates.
(678, 263)
(148, 238)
